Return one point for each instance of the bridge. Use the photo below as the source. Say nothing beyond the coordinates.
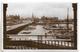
(17, 28)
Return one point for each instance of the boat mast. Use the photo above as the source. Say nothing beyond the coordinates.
(67, 19)
(32, 17)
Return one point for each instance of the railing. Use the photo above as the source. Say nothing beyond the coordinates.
(43, 44)
(42, 40)
(56, 42)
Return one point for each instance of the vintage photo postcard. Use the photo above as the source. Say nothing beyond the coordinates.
(40, 26)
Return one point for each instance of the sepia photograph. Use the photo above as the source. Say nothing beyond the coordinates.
(41, 25)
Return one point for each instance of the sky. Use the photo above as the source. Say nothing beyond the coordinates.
(0, 8)
(40, 9)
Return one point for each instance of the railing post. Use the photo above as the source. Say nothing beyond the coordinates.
(54, 43)
(51, 42)
(68, 44)
(48, 42)
(41, 38)
(64, 43)
(45, 41)
(58, 43)
(61, 43)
